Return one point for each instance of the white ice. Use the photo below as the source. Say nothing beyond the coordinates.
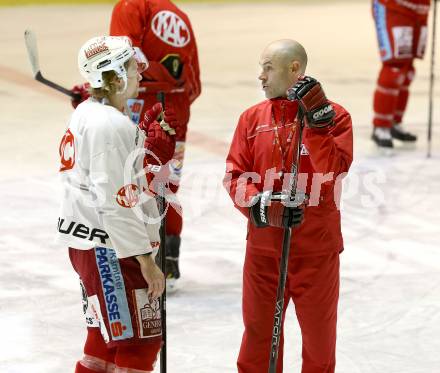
(389, 312)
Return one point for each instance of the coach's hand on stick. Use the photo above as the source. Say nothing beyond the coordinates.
(274, 209)
(313, 104)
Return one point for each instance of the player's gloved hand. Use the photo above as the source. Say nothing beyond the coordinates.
(274, 209)
(150, 116)
(169, 121)
(158, 176)
(313, 103)
(170, 117)
(160, 142)
(81, 94)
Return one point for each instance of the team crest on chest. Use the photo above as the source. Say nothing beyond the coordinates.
(67, 151)
(128, 196)
(171, 29)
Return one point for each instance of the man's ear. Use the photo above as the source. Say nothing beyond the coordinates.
(295, 67)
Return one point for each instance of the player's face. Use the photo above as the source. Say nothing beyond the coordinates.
(275, 76)
(133, 79)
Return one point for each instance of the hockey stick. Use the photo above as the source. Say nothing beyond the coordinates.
(279, 305)
(431, 80)
(31, 45)
(32, 49)
(162, 257)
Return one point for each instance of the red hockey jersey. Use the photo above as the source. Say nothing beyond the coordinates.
(419, 8)
(164, 33)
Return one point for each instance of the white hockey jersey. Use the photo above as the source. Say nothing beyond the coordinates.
(104, 202)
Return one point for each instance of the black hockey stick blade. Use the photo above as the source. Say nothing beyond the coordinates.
(56, 86)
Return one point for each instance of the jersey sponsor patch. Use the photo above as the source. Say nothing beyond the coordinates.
(82, 231)
(403, 41)
(135, 107)
(171, 29)
(128, 196)
(115, 298)
(92, 312)
(67, 151)
(147, 314)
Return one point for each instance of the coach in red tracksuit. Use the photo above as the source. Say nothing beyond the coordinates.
(164, 33)
(401, 27)
(258, 163)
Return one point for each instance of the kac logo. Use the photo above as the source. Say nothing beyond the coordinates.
(67, 151)
(128, 196)
(171, 29)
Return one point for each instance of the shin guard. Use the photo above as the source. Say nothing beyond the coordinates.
(402, 99)
(391, 78)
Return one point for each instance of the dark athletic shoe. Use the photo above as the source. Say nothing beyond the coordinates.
(399, 133)
(382, 137)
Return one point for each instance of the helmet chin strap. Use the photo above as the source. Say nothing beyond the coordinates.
(120, 92)
(122, 74)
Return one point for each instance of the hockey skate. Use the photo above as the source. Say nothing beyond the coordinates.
(172, 245)
(399, 133)
(383, 139)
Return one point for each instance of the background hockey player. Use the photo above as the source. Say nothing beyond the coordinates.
(108, 220)
(164, 34)
(263, 148)
(402, 35)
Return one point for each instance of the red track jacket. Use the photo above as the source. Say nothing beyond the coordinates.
(262, 144)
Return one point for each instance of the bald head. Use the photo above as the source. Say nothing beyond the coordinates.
(287, 51)
(282, 62)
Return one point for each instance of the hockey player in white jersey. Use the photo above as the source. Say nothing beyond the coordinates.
(109, 220)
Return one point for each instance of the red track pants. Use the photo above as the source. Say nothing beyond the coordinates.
(313, 285)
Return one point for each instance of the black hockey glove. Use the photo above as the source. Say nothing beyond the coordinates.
(313, 103)
(273, 209)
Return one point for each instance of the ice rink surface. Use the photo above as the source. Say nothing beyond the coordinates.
(389, 313)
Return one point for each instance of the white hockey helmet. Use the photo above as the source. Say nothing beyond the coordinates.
(104, 53)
